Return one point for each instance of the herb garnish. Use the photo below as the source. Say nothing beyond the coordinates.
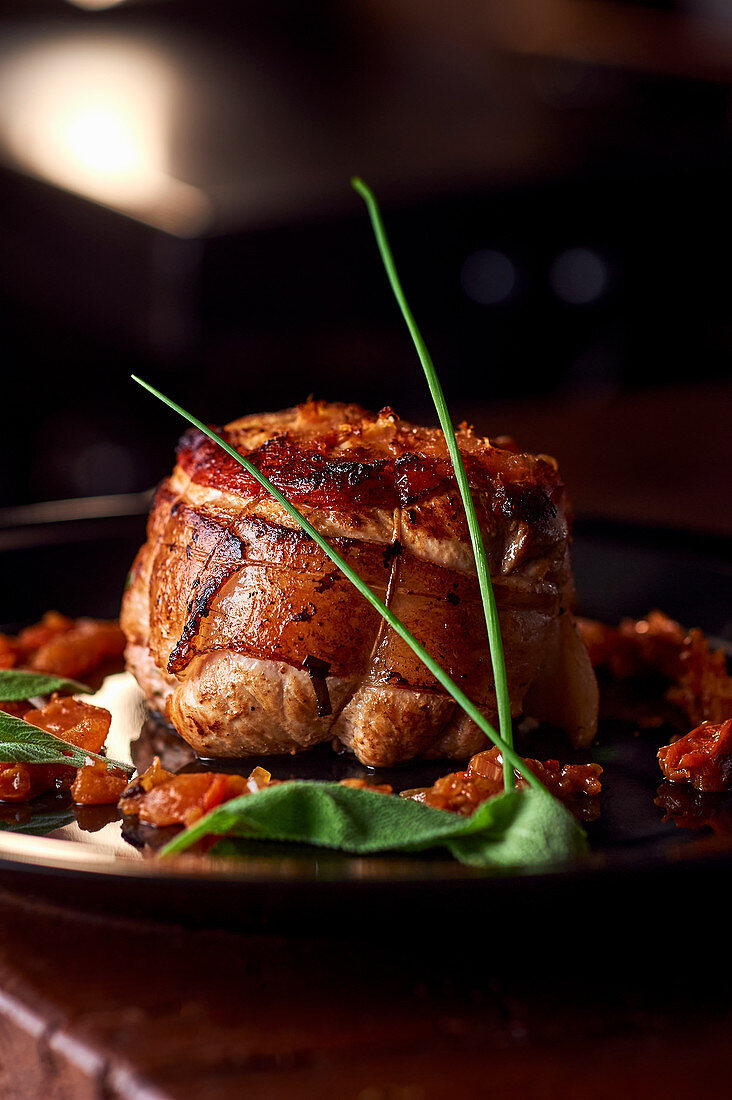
(17, 684)
(396, 624)
(22, 743)
(517, 828)
(38, 824)
(476, 538)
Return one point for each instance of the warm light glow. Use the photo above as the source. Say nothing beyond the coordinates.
(102, 140)
(96, 5)
(92, 115)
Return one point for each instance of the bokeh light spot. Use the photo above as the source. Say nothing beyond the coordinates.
(579, 276)
(488, 277)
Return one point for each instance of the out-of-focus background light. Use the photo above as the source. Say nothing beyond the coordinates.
(174, 202)
(93, 115)
(579, 276)
(488, 277)
(95, 5)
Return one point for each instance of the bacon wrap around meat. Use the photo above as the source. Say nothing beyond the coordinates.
(229, 598)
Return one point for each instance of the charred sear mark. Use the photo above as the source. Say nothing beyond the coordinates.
(193, 439)
(352, 474)
(133, 790)
(417, 477)
(229, 549)
(276, 534)
(198, 609)
(392, 551)
(452, 597)
(318, 670)
(232, 548)
(305, 615)
(300, 470)
(326, 582)
(529, 503)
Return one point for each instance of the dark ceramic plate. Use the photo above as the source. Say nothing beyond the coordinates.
(78, 564)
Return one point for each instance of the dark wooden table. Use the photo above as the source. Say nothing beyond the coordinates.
(107, 1008)
(112, 1008)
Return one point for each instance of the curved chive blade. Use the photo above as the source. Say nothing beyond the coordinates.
(515, 829)
(17, 684)
(22, 743)
(396, 624)
(476, 538)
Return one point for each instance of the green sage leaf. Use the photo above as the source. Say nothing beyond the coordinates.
(22, 743)
(39, 824)
(517, 829)
(17, 684)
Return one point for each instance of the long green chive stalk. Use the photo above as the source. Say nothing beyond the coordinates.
(396, 624)
(476, 538)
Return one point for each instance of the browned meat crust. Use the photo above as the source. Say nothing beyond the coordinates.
(228, 597)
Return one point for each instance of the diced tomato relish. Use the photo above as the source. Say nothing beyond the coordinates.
(702, 757)
(463, 792)
(9, 651)
(96, 785)
(21, 782)
(63, 646)
(81, 724)
(698, 679)
(364, 785)
(161, 798)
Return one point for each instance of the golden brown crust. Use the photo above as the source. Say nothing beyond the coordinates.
(226, 573)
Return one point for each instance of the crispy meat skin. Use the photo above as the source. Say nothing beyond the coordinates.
(229, 597)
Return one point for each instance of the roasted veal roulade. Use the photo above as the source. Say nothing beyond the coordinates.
(247, 636)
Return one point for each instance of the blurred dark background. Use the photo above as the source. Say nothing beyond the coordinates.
(555, 175)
